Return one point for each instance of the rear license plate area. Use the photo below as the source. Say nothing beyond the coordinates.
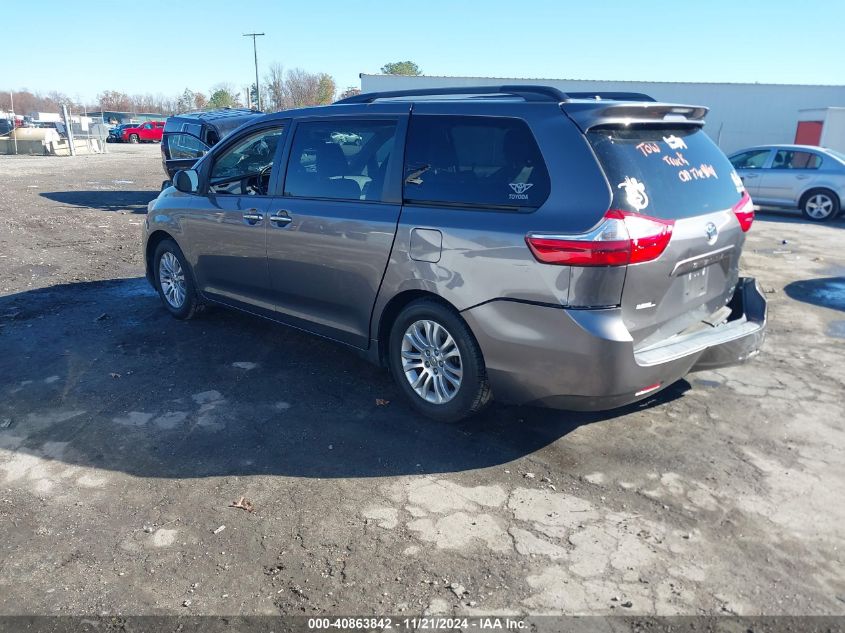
(695, 284)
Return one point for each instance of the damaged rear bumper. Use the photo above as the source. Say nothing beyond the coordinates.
(585, 359)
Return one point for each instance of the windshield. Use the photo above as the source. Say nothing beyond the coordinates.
(668, 173)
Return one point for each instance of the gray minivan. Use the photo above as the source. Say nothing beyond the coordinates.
(577, 251)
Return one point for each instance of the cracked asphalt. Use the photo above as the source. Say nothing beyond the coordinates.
(126, 437)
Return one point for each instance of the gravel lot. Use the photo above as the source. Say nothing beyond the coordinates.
(125, 437)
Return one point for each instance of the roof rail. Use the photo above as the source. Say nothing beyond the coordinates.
(527, 92)
(610, 96)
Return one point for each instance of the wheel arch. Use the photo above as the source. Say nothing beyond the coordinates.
(391, 311)
(156, 238)
(818, 188)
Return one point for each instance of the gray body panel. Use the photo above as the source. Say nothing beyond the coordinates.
(326, 266)
(555, 335)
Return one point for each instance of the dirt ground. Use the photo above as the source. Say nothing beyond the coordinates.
(126, 436)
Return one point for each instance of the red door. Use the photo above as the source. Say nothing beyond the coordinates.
(809, 133)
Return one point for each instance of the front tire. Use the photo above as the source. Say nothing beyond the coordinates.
(174, 281)
(437, 363)
(133, 138)
(820, 205)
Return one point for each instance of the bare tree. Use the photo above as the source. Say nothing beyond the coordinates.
(56, 99)
(275, 82)
(350, 91)
(155, 103)
(114, 100)
(307, 89)
(302, 87)
(26, 102)
(185, 101)
(200, 101)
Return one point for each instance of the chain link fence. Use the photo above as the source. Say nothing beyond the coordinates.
(53, 135)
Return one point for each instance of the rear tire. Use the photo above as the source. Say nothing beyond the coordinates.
(820, 205)
(133, 138)
(174, 281)
(437, 363)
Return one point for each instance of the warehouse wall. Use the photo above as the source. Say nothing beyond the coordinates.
(740, 114)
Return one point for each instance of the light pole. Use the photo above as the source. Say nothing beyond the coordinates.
(255, 53)
(14, 120)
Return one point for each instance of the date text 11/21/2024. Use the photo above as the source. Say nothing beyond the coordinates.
(417, 623)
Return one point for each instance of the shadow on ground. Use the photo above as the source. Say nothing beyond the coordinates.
(794, 216)
(827, 292)
(97, 374)
(104, 199)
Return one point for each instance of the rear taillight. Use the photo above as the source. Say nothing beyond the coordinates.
(744, 211)
(621, 238)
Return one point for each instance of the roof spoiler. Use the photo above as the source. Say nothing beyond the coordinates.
(598, 114)
(527, 92)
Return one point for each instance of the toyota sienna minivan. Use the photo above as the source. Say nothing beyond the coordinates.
(576, 251)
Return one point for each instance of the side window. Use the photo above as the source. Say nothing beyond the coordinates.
(341, 159)
(245, 167)
(754, 159)
(474, 161)
(182, 146)
(787, 159)
(148, 126)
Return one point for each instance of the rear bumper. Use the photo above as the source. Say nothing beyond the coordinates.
(585, 359)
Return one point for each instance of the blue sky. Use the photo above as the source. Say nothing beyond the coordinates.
(164, 47)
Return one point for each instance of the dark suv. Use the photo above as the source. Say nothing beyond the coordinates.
(188, 136)
(571, 250)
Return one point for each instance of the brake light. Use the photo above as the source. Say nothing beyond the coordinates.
(744, 211)
(621, 238)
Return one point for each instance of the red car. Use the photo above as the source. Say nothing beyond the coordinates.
(148, 132)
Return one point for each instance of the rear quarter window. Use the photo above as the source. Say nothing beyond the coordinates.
(474, 161)
(669, 173)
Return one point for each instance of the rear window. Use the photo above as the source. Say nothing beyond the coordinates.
(789, 159)
(474, 161)
(185, 146)
(668, 173)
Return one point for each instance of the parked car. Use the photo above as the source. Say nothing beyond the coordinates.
(116, 133)
(149, 132)
(804, 176)
(6, 127)
(531, 246)
(187, 137)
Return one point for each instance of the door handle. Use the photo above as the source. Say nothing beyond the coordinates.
(749, 176)
(252, 216)
(281, 218)
(802, 177)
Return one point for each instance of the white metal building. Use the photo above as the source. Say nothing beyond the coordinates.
(740, 114)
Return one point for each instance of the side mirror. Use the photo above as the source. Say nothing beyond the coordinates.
(186, 181)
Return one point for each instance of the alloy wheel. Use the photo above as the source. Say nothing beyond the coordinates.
(819, 206)
(171, 278)
(431, 361)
